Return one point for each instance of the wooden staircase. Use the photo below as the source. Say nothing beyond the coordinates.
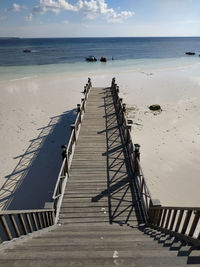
(101, 222)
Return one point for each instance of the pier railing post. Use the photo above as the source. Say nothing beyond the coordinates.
(154, 214)
(137, 157)
(113, 82)
(73, 128)
(89, 82)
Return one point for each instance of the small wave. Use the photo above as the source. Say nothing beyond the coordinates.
(23, 78)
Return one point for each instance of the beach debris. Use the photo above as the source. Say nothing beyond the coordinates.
(91, 59)
(103, 59)
(190, 53)
(27, 51)
(115, 254)
(155, 107)
(129, 121)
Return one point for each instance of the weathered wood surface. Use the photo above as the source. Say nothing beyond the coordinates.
(99, 177)
(100, 213)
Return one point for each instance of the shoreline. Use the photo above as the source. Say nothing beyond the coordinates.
(96, 68)
(171, 170)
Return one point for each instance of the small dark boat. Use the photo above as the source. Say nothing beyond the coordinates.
(27, 51)
(190, 53)
(91, 59)
(103, 59)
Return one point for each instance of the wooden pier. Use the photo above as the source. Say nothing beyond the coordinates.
(101, 219)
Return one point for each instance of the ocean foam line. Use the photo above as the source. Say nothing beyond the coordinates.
(23, 78)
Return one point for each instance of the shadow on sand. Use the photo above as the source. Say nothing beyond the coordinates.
(32, 182)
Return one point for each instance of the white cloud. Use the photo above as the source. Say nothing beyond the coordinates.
(90, 8)
(15, 8)
(29, 17)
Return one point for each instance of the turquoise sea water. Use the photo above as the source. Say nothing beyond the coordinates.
(67, 55)
(12, 73)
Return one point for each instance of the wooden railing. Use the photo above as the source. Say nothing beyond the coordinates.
(133, 151)
(183, 223)
(14, 223)
(68, 151)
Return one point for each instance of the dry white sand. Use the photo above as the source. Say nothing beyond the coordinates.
(35, 118)
(170, 141)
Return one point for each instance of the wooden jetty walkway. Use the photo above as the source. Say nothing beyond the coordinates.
(101, 219)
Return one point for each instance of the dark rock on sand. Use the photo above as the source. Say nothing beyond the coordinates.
(155, 107)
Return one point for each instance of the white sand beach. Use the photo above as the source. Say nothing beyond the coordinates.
(35, 117)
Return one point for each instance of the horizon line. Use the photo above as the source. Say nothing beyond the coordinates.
(16, 37)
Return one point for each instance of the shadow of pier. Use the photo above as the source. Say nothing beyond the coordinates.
(32, 182)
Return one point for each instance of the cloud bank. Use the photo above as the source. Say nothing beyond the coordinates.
(91, 9)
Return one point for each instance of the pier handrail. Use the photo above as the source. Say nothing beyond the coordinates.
(133, 153)
(181, 222)
(67, 152)
(14, 223)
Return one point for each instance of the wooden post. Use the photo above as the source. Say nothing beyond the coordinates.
(22, 223)
(113, 82)
(12, 218)
(84, 90)
(187, 219)
(5, 226)
(34, 221)
(28, 222)
(137, 155)
(83, 104)
(78, 108)
(64, 150)
(155, 218)
(87, 88)
(66, 167)
(73, 128)
(194, 223)
(124, 107)
(89, 82)
(179, 220)
(163, 218)
(168, 219)
(173, 219)
(128, 130)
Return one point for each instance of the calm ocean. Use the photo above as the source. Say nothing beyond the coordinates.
(67, 55)
(72, 50)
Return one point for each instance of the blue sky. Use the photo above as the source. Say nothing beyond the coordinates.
(93, 18)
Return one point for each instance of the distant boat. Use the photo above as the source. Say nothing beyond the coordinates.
(190, 53)
(91, 59)
(103, 59)
(27, 51)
